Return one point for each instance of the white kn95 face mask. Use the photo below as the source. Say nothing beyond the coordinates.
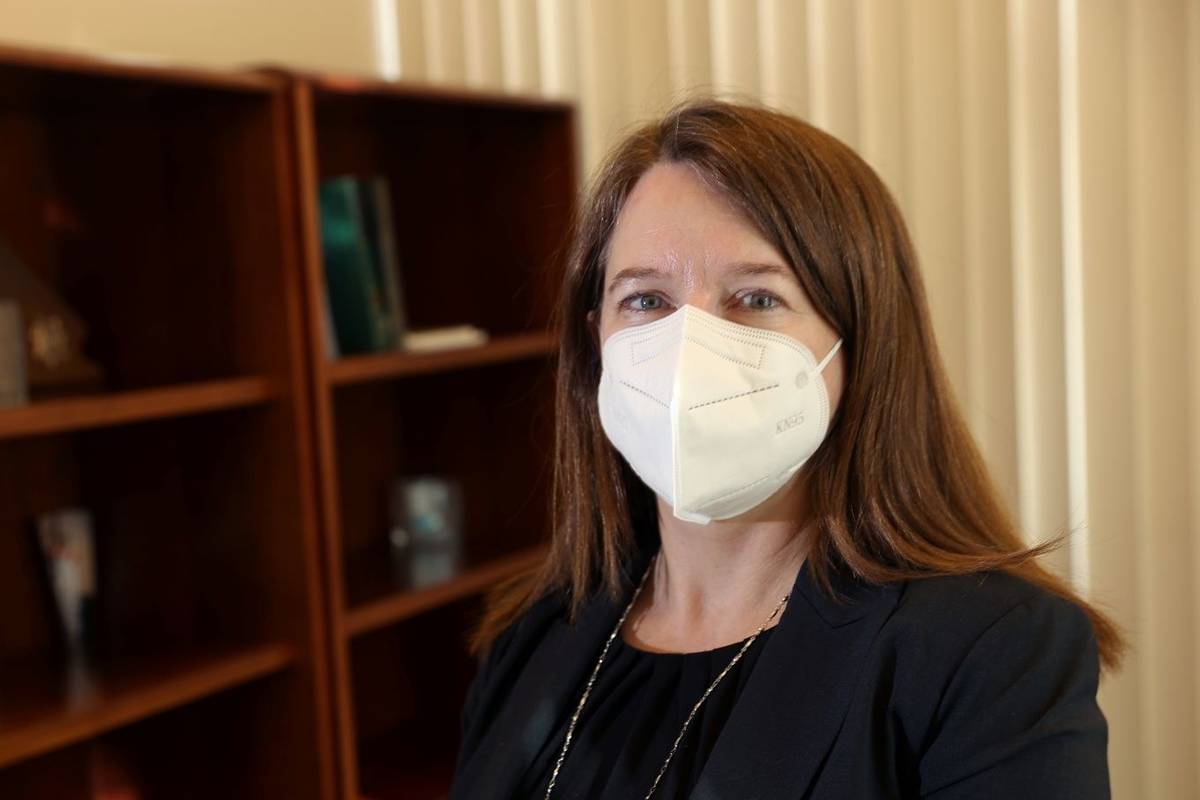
(714, 416)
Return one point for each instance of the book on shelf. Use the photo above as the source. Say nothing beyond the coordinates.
(361, 266)
(377, 208)
(364, 298)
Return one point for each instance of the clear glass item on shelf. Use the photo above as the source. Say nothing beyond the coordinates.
(426, 533)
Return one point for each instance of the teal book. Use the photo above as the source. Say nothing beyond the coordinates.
(377, 213)
(356, 299)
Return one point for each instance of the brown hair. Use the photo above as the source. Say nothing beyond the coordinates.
(898, 489)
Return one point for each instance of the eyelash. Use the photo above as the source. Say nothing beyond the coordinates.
(627, 303)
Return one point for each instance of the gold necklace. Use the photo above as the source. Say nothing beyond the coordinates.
(596, 670)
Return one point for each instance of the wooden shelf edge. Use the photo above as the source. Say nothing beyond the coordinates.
(381, 366)
(119, 408)
(89, 63)
(377, 614)
(105, 711)
(349, 84)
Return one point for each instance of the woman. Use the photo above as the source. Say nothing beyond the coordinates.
(779, 567)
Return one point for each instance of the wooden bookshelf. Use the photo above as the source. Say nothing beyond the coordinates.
(159, 204)
(252, 636)
(483, 190)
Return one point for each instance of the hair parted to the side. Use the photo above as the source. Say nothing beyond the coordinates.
(898, 489)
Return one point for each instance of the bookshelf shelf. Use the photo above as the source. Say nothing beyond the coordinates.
(57, 707)
(511, 347)
(119, 408)
(393, 603)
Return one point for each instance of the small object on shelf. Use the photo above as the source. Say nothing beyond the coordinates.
(450, 338)
(53, 334)
(68, 549)
(426, 535)
(14, 386)
(359, 252)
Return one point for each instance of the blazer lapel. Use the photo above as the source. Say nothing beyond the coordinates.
(790, 710)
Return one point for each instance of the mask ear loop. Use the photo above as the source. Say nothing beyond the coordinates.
(828, 356)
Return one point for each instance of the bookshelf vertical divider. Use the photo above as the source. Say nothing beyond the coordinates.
(299, 321)
(300, 97)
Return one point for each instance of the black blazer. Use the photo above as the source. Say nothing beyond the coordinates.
(978, 686)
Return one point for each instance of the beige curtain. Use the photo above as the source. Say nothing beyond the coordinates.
(1046, 154)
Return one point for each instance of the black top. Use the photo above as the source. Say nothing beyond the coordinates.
(633, 715)
(942, 687)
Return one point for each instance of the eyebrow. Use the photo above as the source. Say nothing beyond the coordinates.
(631, 274)
(741, 268)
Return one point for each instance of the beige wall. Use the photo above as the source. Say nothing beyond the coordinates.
(1046, 154)
(335, 34)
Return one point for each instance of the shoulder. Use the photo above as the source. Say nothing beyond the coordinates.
(985, 666)
(951, 614)
(947, 631)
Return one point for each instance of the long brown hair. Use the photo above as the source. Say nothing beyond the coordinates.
(898, 489)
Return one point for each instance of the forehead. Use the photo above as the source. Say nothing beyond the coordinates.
(673, 218)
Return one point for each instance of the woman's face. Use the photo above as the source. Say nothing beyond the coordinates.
(679, 241)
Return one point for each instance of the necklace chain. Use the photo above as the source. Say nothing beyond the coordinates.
(587, 689)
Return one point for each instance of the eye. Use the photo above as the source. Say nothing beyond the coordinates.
(759, 301)
(643, 302)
